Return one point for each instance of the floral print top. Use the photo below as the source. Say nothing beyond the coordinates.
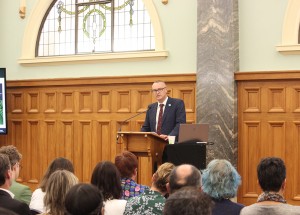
(130, 188)
(149, 203)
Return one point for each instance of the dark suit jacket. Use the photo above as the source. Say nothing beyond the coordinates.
(174, 115)
(6, 201)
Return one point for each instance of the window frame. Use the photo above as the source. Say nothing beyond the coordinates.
(36, 18)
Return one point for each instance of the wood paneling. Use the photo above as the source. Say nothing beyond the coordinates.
(268, 124)
(78, 118)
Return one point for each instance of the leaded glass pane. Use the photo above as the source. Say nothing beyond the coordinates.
(88, 27)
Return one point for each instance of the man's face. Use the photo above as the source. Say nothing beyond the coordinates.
(16, 170)
(159, 90)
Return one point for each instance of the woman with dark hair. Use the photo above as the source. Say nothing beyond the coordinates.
(271, 173)
(127, 164)
(37, 199)
(220, 181)
(108, 180)
(84, 199)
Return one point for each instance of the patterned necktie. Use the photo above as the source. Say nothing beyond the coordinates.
(161, 111)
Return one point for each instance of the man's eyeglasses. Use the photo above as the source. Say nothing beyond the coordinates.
(159, 90)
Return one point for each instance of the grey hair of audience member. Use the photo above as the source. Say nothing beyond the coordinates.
(84, 199)
(220, 179)
(187, 201)
(184, 175)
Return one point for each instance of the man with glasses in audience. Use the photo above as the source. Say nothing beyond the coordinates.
(165, 115)
(6, 197)
(21, 192)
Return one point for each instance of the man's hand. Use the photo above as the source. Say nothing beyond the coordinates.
(165, 137)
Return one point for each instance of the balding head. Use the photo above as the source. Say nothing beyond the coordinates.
(184, 175)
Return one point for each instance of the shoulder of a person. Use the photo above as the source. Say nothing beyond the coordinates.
(174, 100)
(21, 186)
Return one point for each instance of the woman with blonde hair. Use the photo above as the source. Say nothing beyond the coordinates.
(37, 200)
(152, 201)
(58, 184)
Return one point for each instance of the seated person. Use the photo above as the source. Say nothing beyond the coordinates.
(21, 191)
(188, 201)
(184, 175)
(57, 187)
(271, 173)
(152, 201)
(7, 200)
(37, 199)
(220, 181)
(107, 179)
(127, 164)
(84, 199)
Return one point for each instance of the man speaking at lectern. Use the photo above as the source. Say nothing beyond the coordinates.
(165, 115)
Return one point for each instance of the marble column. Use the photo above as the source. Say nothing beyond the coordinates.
(217, 60)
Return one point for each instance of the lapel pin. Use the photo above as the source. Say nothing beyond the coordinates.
(170, 105)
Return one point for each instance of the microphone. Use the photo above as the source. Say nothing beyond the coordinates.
(126, 120)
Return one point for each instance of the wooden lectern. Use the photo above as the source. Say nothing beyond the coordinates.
(148, 147)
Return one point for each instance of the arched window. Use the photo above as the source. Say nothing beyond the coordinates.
(70, 31)
(95, 26)
(290, 43)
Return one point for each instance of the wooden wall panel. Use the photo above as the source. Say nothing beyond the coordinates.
(33, 102)
(16, 101)
(268, 124)
(79, 118)
(50, 102)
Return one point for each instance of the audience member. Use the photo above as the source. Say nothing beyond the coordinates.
(127, 164)
(21, 192)
(271, 174)
(108, 180)
(220, 181)
(182, 176)
(152, 201)
(84, 199)
(37, 200)
(58, 184)
(188, 201)
(6, 197)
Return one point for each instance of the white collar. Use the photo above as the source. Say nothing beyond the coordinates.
(9, 192)
(165, 102)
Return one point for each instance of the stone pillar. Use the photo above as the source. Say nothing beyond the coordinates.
(217, 60)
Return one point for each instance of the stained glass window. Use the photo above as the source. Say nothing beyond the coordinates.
(95, 26)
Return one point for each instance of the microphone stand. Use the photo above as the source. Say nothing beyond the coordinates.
(126, 120)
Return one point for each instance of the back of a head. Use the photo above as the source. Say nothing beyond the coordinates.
(84, 199)
(107, 178)
(187, 201)
(126, 162)
(58, 184)
(162, 176)
(12, 152)
(4, 167)
(59, 163)
(220, 179)
(271, 173)
(184, 175)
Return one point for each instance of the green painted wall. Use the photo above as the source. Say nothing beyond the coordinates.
(260, 24)
(179, 28)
